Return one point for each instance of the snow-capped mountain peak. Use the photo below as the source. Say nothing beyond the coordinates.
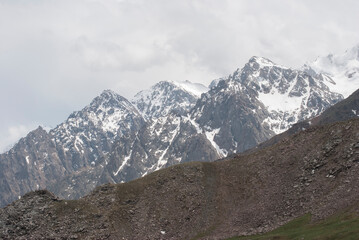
(253, 68)
(352, 53)
(108, 116)
(109, 99)
(289, 95)
(215, 82)
(110, 110)
(261, 62)
(342, 68)
(195, 88)
(165, 97)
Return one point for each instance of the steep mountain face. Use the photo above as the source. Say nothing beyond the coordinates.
(343, 110)
(168, 97)
(196, 89)
(341, 69)
(79, 144)
(164, 142)
(231, 118)
(33, 163)
(87, 135)
(239, 196)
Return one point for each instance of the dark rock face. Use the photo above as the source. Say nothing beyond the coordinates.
(160, 144)
(232, 118)
(238, 196)
(346, 109)
(114, 140)
(33, 163)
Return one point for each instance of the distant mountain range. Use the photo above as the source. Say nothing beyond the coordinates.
(116, 140)
(342, 70)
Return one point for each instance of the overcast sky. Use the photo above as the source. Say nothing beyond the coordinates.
(57, 55)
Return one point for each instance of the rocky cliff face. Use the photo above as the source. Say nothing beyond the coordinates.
(33, 163)
(115, 140)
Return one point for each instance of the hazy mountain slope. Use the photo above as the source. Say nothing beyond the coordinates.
(195, 89)
(341, 69)
(242, 195)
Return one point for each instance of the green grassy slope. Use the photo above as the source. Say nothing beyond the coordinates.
(343, 226)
